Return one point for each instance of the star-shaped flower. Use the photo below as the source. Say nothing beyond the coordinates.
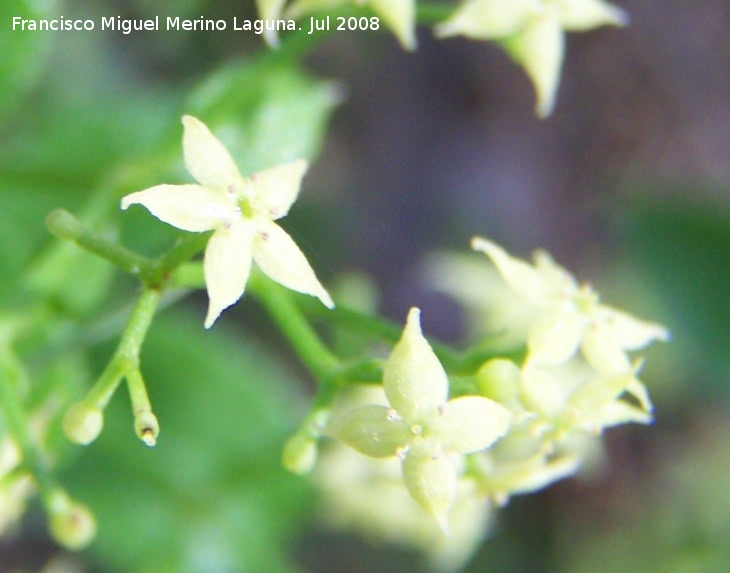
(421, 426)
(533, 32)
(398, 15)
(569, 316)
(241, 212)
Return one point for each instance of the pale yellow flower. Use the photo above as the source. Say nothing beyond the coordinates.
(241, 212)
(533, 32)
(423, 427)
(569, 316)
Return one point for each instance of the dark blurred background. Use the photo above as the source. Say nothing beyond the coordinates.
(627, 184)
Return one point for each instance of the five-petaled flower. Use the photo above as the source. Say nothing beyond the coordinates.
(241, 212)
(533, 32)
(422, 427)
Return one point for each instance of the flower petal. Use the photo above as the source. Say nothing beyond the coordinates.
(400, 17)
(488, 19)
(268, 11)
(599, 392)
(227, 264)
(615, 414)
(519, 275)
(278, 256)
(187, 207)
(603, 353)
(540, 48)
(432, 483)
(582, 15)
(413, 378)
(471, 423)
(555, 338)
(371, 430)
(628, 332)
(541, 393)
(273, 191)
(206, 158)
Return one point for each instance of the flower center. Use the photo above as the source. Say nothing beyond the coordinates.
(245, 207)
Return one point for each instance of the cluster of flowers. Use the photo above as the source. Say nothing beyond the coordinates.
(530, 425)
(531, 31)
(525, 426)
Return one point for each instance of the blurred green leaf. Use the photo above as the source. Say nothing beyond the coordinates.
(266, 113)
(23, 53)
(212, 495)
(683, 251)
(677, 522)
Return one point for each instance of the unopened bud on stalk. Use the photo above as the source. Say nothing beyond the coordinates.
(82, 423)
(147, 427)
(71, 524)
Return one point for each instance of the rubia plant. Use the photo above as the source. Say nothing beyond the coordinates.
(428, 428)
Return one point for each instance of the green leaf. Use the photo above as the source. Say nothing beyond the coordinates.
(680, 250)
(265, 114)
(23, 52)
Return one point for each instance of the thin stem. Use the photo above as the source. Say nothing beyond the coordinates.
(125, 364)
(152, 272)
(65, 226)
(106, 385)
(137, 325)
(382, 329)
(17, 423)
(184, 249)
(287, 315)
(433, 12)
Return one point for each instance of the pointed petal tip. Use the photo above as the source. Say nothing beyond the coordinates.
(189, 120)
(414, 317)
(443, 523)
(489, 248)
(326, 299)
(210, 319)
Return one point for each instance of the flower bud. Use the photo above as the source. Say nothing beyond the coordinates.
(499, 380)
(71, 524)
(64, 225)
(147, 427)
(300, 454)
(83, 423)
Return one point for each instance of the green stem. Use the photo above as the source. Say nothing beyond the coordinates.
(152, 272)
(433, 12)
(17, 423)
(65, 226)
(184, 249)
(137, 325)
(126, 357)
(382, 329)
(303, 338)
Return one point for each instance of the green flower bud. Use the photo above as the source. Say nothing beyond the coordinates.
(147, 427)
(64, 225)
(71, 524)
(83, 423)
(300, 454)
(499, 380)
